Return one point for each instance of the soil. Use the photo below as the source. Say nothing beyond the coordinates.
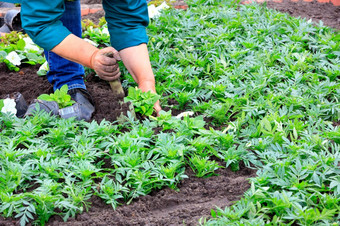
(194, 200)
(195, 197)
(327, 12)
(94, 16)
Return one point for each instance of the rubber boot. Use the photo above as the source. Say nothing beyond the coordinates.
(6, 5)
(5, 29)
(21, 105)
(82, 109)
(42, 105)
(13, 20)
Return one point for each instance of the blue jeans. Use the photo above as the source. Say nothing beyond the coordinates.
(63, 71)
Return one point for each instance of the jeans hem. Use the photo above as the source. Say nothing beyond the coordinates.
(75, 86)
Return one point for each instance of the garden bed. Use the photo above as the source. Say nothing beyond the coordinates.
(195, 197)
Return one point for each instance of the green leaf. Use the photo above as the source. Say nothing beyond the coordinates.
(21, 44)
(1, 104)
(45, 97)
(64, 89)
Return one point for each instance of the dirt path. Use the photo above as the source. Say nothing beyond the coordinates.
(194, 200)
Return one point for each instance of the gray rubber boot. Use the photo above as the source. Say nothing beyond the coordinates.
(6, 5)
(43, 105)
(12, 20)
(82, 109)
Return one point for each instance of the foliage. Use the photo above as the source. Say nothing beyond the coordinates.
(24, 51)
(99, 35)
(142, 101)
(265, 92)
(60, 96)
(202, 166)
(270, 83)
(11, 38)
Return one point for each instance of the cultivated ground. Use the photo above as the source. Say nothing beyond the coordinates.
(195, 197)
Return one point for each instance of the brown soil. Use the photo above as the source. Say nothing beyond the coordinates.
(95, 16)
(327, 12)
(194, 200)
(31, 86)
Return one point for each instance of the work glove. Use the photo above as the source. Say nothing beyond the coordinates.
(77, 50)
(105, 63)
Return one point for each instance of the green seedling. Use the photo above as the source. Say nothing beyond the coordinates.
(202, 166)
(110, 191)
(60, 96)
(142, 101)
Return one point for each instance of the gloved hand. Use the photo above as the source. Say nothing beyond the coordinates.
(105, 63)
(80, 51)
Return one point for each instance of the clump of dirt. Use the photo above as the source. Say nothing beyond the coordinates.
(108, 106)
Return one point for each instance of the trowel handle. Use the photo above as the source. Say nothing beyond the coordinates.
(117, 88)
(111, 55)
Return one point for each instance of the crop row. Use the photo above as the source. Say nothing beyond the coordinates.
(264, 88)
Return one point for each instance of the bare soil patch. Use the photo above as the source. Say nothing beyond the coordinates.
(194, 200)
(316, 11)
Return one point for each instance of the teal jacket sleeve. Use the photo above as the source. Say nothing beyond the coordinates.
(127, 21)
(40, 20)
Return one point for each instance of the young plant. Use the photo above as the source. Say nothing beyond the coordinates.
(60, 96)
(142, 101)
(111, 191)
(202, 166)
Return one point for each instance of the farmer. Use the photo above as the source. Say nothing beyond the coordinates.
(55, 25)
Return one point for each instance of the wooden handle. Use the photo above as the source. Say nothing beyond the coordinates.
(117, 88)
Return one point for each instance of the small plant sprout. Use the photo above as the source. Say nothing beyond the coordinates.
(202, 166)
(60, 96)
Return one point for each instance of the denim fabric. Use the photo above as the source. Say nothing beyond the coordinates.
(63, 71)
